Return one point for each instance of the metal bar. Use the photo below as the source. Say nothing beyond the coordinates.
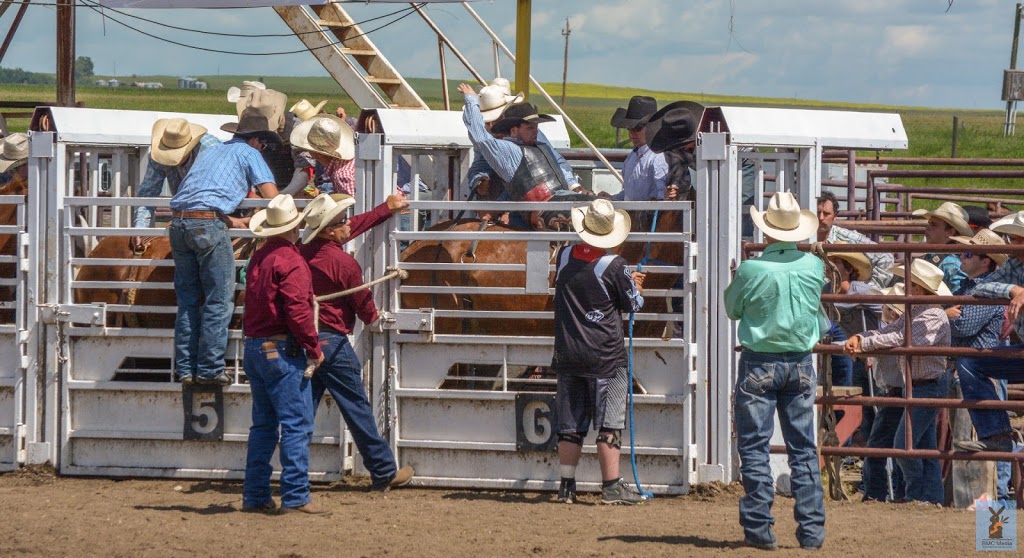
(924, 403)
(851, 180)
(938, 190)
(841, 157)
(14, 28)
(444, 73)
(541, 206)
(500, 237)
(915, 247)
(914, 454)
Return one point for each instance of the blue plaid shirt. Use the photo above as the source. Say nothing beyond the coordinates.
(977, 326)
(952, 275)
(153, 182)
(881, 262)
(221, 178)
(999, 284)
(643, 176)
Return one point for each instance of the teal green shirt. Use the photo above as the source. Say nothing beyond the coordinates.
(776, 299)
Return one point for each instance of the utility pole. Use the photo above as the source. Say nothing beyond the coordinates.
(66, 53)
(565, 58)
(524, 8)
(1011, 105)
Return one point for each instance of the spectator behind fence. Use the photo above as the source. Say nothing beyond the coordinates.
(14, 160)
(289, 166)
(329, 141)
(644, 171)
(944, 223)
(828, 231)
(673, 131)
(929, 328)
(776, 299)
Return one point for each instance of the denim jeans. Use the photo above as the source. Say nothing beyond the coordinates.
(861, 379)
(784, 382)
(842, 365)
(341, 374)
(974, 373)
(281, 405)
(1003, 468)
(204, 283)
(923, 477)
(883, 434)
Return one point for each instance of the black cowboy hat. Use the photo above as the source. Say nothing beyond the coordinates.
(252, 123)
(516, 114)
(672, 126)
(639, 108)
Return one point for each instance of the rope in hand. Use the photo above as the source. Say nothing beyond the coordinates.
(827, 416)
(392, 273)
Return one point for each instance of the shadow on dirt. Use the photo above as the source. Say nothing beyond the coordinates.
(212, 509)
(503, 497)
(688, 540)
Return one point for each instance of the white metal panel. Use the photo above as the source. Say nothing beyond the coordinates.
(123, 127)
(804, 127)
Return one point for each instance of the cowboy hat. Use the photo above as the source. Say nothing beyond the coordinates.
(600, 224)
(1010, 224)
(494, 101)
(924, 275)
(504, 84)
(305, 110)
(897, 290)
(321, 212)
(952, 214)
(634, 116)
(517, 113)
(15, 152)
(254, 123)
(327, 135)
(985, 237)
(279, 216)
(784, 220)
(268, 100)
(173, 139)
(236, 93)
(675, 124)
(977, 217)
(860, 262)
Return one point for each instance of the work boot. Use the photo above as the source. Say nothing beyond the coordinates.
(999, 442)
(402, 478)
(310, 509)
(221, 379)
(186, 380)
(761, 546)
(268, 507)
(567, 491)
(620, 493)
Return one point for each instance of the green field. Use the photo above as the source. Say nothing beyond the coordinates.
(589, 105)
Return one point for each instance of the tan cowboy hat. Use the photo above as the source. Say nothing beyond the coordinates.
(897, 290)
(985, 237)
(925, 275)
(15, 152)
(860, 262)
(321, 212)
(268, 101)
(600, 224)
(952, 214)
(236, 93)
(504, 84)
(494, 101)
(784, 220)
(1010, 224)
(327, 135)
(173, 139)
(306, 110)
(279, 216)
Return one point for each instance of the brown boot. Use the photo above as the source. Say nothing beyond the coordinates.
(402, 478)
(310, 508)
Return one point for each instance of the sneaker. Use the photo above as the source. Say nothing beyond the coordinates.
(186, 380)
(999, 442)
(309, 509)
(567, 492)
(221, 379)
(402, 478)
(620, 493)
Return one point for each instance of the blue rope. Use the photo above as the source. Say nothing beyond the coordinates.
(632, 316)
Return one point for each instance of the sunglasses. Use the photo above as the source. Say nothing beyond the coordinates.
(969, 256)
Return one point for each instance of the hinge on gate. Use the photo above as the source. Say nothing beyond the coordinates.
(23, 243)
(693, 250)
(691, 355)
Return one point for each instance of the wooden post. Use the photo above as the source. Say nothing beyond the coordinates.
(523, 10)
(956, 128)
(444, 75)
(66, 53)
(565, 58)
(1010, 125)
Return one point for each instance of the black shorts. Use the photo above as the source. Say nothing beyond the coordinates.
(581, 400)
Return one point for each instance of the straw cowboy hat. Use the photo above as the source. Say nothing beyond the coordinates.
(952, 214)
(925, 275)
(306, 110)
(327, 135)
(674, 125)
(635, 114)
(504, 84)
(860, 262)
(173, 140)
(275, 100)
(262, 117)
(517, 113)
(1010, 224)
(985, 237)
(494, 101)
(897, 290)
(236, 93)
(280, 216)
(600, 224)
(15, 152)
(784, 220)
(321, 212)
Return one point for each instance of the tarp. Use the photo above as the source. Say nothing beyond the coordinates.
(236, 3)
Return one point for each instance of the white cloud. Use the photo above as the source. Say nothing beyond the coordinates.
(909, 41)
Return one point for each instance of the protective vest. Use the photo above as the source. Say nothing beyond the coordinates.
(538, 176)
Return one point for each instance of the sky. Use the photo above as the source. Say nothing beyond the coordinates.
(902, 52)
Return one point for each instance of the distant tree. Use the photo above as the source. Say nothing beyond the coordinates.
(83, 67)
(17, 75)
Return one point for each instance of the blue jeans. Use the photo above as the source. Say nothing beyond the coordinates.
(974, 373)
(341, 374)
(281, 402)
(861, 379)
(883, 434)
(923, 477)
(842, 365)
(204, 283)
(784, 382)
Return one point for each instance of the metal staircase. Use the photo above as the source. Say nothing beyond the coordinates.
(355, 62)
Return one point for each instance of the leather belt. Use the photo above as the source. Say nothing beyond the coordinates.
(278, 337)
(197, 214)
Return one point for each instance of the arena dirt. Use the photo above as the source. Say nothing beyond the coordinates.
(48, 516)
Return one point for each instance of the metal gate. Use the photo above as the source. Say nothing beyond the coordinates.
(15, 341)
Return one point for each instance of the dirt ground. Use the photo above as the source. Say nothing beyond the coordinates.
(47, 515)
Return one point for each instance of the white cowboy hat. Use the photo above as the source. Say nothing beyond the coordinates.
(15, 151)
(327, 135)
(236, 93)
(321, 212)
(1010, 224)
(952, 214)
(173, 139)
(504, 84)
(305, 110)
(600, 224)
(985, 237)
(925, 275)
(494, 101)
(280, 216)
(784, 220)
(897, 290)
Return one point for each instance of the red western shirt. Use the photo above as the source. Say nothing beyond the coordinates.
(278, 295)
